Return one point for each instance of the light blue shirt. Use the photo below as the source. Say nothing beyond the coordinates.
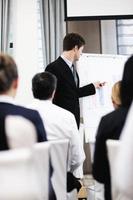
(68, 62)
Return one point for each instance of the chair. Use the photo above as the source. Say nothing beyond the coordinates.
(20, 132)
(41, 153)
(112, 149)
(58, 155)
(18, 176)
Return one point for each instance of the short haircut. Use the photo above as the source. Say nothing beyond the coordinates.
(43, 85)
(8, 72)
(71, 40)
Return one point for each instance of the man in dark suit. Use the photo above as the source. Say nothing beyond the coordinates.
(110, 127)
(8, 88)
(68, 90)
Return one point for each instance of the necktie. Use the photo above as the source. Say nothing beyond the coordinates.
(74, 74)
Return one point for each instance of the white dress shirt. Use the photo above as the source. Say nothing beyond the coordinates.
(68, 62)
(7, 99)
(61, 124)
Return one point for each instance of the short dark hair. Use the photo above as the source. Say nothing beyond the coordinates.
(71, 40)
(127, 83)
(43, 85)
(8, 72)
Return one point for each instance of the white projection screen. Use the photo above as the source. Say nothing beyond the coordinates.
(98, 9)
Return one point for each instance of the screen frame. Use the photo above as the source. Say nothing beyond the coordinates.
(101, 17)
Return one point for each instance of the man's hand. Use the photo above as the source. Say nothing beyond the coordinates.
(99, 84)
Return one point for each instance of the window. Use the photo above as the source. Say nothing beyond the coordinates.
(125, 36)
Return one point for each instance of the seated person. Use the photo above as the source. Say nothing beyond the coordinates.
(110, 128)
(8, 88)
(59, 123)
(116, 99)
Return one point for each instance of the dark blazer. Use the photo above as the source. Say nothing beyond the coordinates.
(32, 115)
(67, 93)
(109, 128)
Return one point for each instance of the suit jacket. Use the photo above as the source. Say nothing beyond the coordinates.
(67, 93)
(12, 109)
(109, 128)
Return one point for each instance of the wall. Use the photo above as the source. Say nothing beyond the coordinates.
(90, 30)
(100, 36)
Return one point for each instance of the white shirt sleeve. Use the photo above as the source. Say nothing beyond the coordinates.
(77, 151)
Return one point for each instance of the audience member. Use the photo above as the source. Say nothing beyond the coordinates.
(59, 123)
(8, 88)
(110, 128)
(116, 99)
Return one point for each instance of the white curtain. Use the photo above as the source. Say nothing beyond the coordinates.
(4, 24)
(53, 28)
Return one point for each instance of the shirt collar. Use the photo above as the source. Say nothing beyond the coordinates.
(68, 62)
(42, 101)
(7, 99)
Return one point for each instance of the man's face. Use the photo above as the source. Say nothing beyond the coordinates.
(78, 52)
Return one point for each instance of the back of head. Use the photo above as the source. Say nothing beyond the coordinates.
(8, 72)
(116, 99)
(43, 85)
(127, 83)
(71, 40)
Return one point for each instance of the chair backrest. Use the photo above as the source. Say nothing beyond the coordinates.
(58, 155)
(41, 155)
(112, 149)
(18, 176)
(20, 132)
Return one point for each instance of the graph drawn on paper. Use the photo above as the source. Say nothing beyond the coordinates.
(104, 68)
